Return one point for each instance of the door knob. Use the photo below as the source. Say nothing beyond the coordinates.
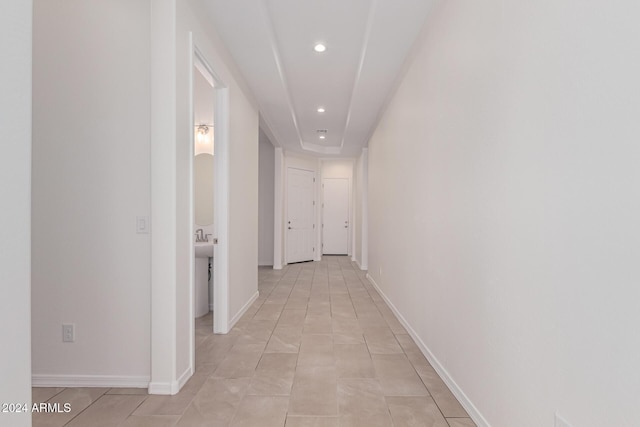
(289, 228)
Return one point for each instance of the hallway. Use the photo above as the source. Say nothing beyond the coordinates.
(318, 348)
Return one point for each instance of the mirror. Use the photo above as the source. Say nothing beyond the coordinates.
(203, 188)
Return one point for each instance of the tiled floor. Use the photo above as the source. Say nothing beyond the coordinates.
(319, 348)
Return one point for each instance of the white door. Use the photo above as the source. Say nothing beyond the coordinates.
(335, 216)
(300, 225)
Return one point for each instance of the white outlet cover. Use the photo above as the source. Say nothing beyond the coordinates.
(68, 332)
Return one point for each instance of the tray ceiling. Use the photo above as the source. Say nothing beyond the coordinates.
(272, 42)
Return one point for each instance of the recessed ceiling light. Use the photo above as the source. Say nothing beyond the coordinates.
(322, 137)
(320, 110)
(319, 47)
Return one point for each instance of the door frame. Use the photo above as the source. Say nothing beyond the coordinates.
(198, 60)
(286, 209)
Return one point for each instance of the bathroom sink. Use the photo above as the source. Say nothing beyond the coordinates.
(203, 249)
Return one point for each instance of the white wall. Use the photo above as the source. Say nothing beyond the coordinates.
(91, 179)
(300, 161)
(504, 207)
(339, 168)
(15, 215)
(265, 200)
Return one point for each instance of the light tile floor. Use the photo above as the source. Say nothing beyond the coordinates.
(319, 348)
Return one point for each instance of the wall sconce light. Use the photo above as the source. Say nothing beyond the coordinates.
(201, 132)
(203, 139)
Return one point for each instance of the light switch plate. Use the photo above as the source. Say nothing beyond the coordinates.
(142, 224)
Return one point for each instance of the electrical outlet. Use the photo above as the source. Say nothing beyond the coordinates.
(68, 332)
(561, 422)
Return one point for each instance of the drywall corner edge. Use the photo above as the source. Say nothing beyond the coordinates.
(182, 380)
(243, 310)
(278, 214)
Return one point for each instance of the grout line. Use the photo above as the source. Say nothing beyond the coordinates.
(63, 389)
(87, 407)
(136, 408)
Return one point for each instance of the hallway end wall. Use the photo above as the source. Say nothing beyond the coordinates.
(504, 208)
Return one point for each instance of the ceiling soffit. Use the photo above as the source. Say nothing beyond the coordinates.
(367, 43)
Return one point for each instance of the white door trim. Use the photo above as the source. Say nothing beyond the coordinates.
(364, 256)
(278, 214)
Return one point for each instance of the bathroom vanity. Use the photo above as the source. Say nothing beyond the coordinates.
(204, 257)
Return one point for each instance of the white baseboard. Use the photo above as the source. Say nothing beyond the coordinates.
(182, 380)
(160, 388)
(173, 387)
(265, 264)
(471, 409)
(277, 267)
(243, 310)
(43, 380)
(361, 267)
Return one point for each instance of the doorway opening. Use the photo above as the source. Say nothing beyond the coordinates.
(203, 201)
(209, 199)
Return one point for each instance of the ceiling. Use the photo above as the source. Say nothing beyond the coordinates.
(272, 42)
